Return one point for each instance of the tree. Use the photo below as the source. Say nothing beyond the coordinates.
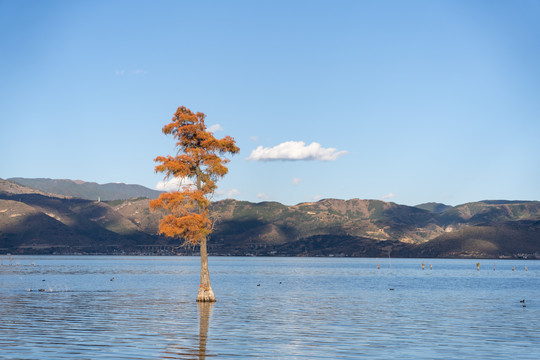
(200, 160)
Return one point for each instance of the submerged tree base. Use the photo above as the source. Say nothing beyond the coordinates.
(206, 295)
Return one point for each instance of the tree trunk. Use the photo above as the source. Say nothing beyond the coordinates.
(205, 289)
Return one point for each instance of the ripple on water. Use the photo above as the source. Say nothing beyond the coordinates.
(302, 308)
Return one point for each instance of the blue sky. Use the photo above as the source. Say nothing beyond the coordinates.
(405, 101)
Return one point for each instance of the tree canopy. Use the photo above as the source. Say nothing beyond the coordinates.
(200, 163)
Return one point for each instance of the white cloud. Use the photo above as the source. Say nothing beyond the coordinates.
(317, 197)
(296, 181)
(173, 184)
(262, 196)
(119, 72)
(232, 193)
(215, 127)
(388, 196)
(295, 150)
(253, 138)
(139, 72)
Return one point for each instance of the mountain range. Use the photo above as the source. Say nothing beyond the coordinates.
(33, 219)
(87, 190)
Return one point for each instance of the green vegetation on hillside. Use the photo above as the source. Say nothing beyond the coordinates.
(87, 190)
(35, 222)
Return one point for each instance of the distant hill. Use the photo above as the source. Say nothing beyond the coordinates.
(376, 228)
(490, 213)
(434, 207)
(507, 239)
(87, 190)
(276, 223)
(33, 221)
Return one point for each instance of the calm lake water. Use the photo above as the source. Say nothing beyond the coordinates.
(268, 308)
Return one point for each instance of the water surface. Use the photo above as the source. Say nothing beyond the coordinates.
(67, 307)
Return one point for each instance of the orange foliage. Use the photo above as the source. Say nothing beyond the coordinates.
(200, 158)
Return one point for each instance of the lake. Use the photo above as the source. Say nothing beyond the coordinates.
(114, 307)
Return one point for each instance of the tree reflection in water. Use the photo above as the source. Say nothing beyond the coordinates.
(205, 308)
(185, 344)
